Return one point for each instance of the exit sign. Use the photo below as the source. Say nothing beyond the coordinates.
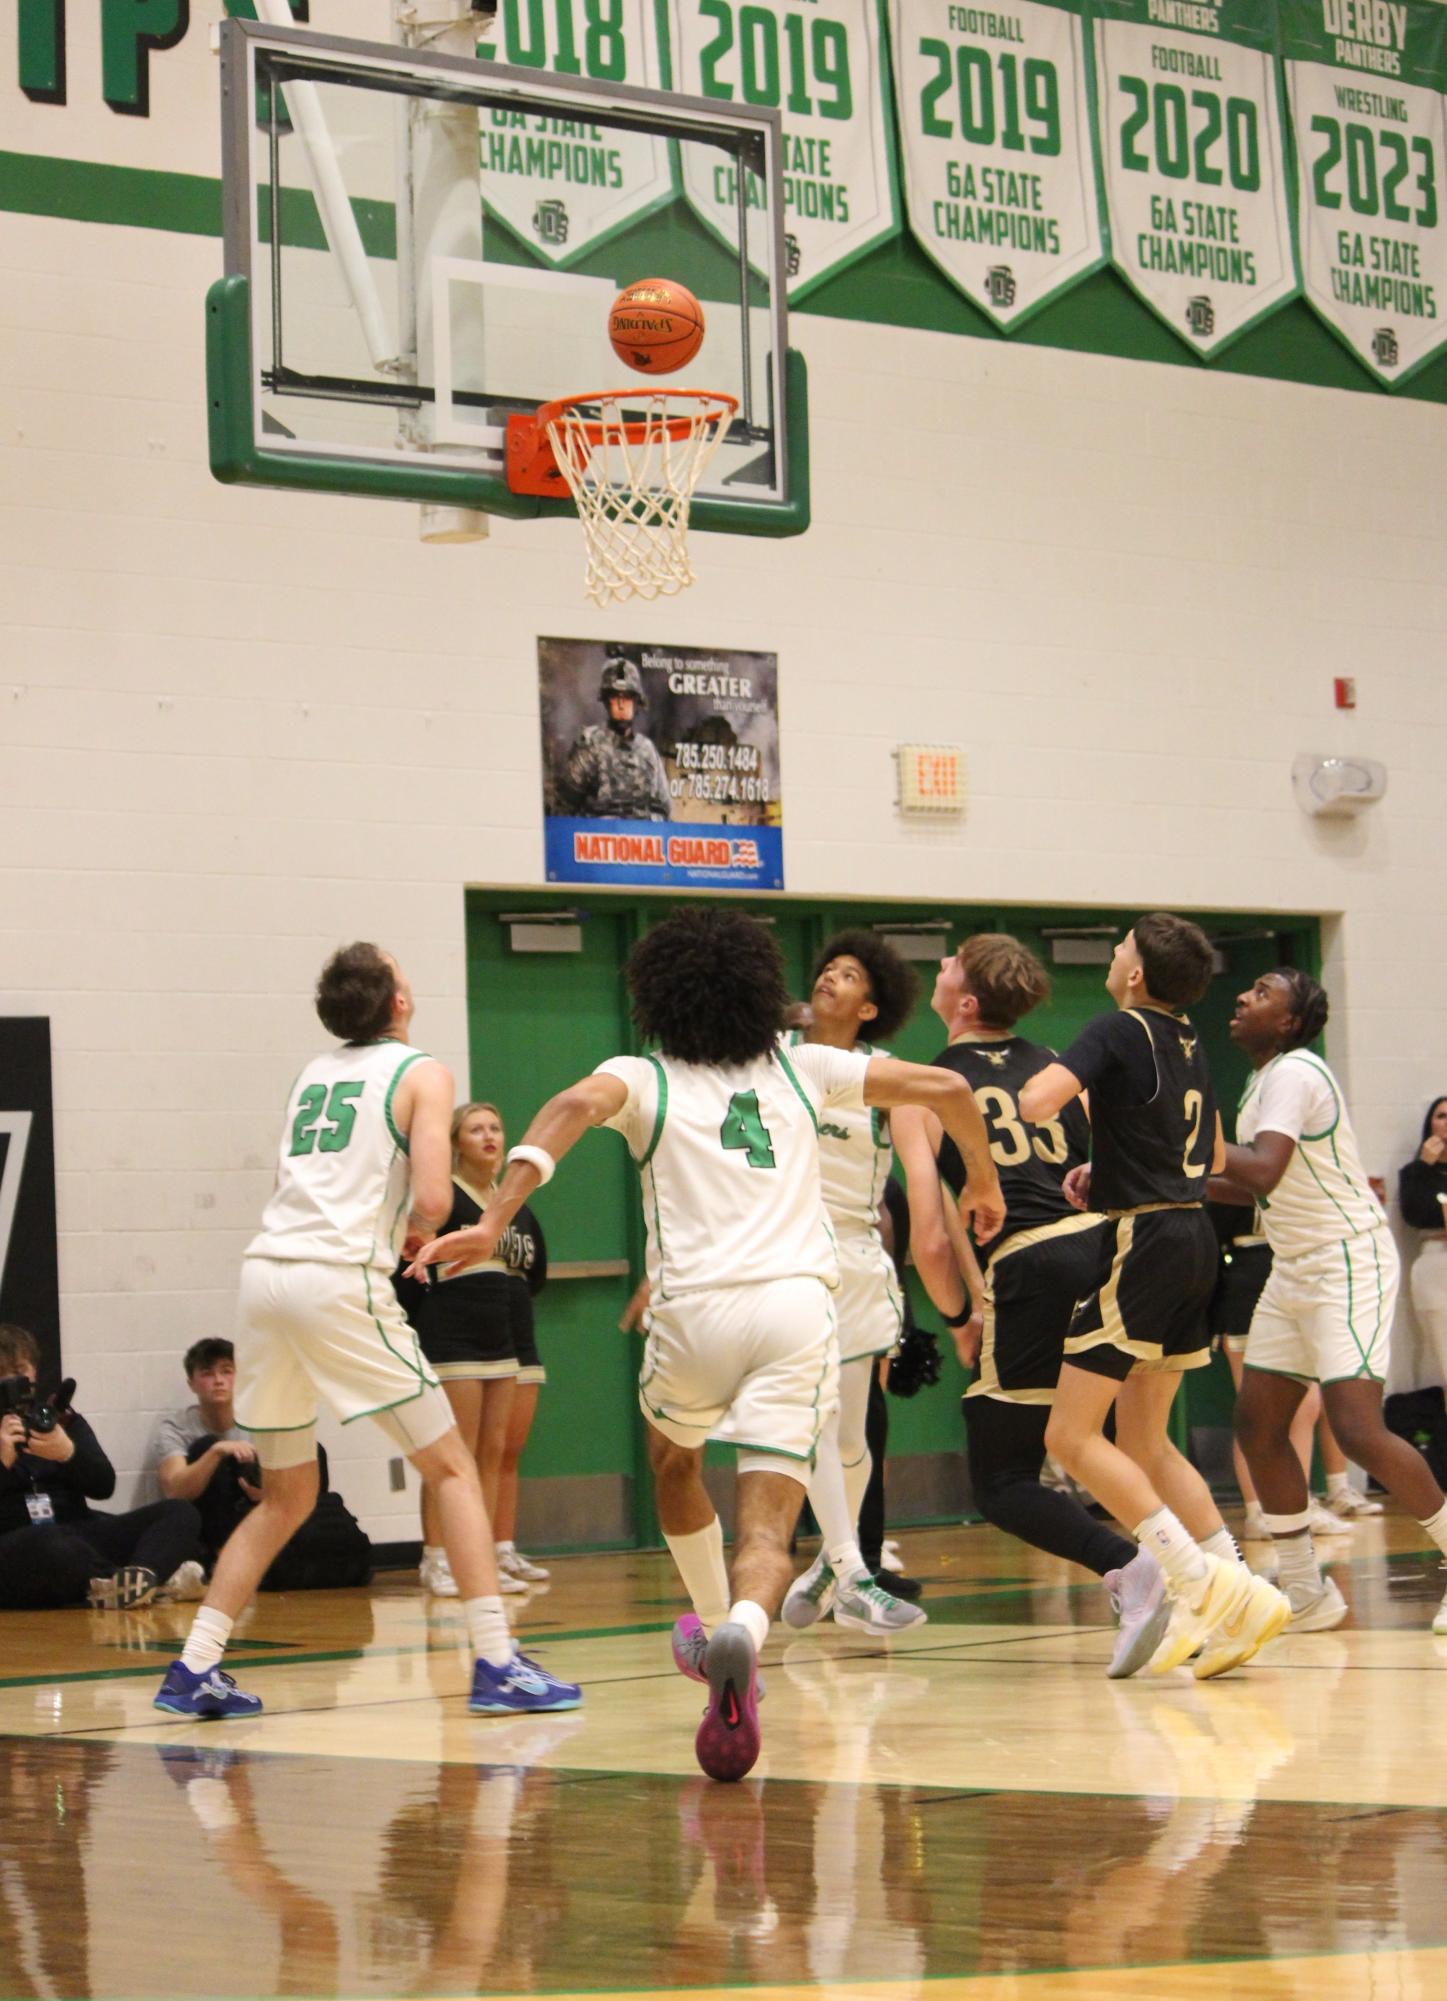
(931, 778)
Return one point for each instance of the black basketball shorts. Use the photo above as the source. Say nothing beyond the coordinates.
(1151, 1308)
(1032, 1286)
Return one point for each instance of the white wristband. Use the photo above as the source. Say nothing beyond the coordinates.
(535, 1156)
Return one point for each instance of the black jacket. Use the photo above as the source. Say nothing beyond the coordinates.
(86, 1476)
(1418, 1186)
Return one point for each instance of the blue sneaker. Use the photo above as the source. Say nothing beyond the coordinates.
(522, 1688)
(212, 1692)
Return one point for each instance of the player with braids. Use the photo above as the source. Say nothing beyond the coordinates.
(861, 988)
(722, 1120)
(1325, 1314)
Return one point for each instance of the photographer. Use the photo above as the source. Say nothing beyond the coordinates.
(55, 1549)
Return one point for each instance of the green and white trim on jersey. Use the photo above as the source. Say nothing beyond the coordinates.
(1324, 1195)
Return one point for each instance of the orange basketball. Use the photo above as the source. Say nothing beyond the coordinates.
(656, 326)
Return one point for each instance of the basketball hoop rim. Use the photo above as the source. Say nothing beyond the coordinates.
(636, 430)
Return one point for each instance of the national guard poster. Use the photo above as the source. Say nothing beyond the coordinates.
(1000, 175)
(1365, 80)
(823, 63)
(1191, 124)
(660, 765)
(565, 187)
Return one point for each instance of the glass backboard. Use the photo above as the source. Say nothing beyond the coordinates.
(420, 245)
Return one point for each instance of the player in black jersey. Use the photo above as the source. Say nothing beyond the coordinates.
(1044, 1260)
(1156, 1136)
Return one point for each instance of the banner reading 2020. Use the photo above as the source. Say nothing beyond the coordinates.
(999, 155)
(566, 186)
(1365, 80)
(1191, 149)
(822, 63)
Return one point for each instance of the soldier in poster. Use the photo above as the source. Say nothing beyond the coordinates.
(614, 772)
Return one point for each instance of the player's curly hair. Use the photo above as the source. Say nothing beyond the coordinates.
(355, 992)
(893, 981)
(1308, 1003)
(1176, 958)
(708, 986)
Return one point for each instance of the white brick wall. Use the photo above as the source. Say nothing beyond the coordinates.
(236, 728)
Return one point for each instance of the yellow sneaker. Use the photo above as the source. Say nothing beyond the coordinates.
(1260, 1614)
(1197, 1611)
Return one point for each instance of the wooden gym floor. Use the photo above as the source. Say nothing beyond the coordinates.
(973, 1809)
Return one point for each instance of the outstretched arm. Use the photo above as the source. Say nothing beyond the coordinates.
(1047, 1093)
(556, 1129)
(890, 1082)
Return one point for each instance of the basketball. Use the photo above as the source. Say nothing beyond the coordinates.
(656, 326)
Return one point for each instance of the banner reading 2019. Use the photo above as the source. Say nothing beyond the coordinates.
(1191, 143)
(999, 155)
(1365, 80)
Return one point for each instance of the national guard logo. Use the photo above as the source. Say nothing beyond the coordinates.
(550, 221)
(1188, 1046)
(1000, 285)
(793, 256)
(1384, 347)
(1201, 316)
(995, 1056)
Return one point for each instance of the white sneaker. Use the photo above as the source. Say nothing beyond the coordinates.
(1259, 1613)
(1253, 1526)
(435, 1574)
(188, 1580)
(512, 1560)
(1199, 1608)
(809, 1597)
(1439, 1621)
(1324, 1522)
(868, 1606)
(1352, 1505)
(1317, 1612)
(511, 1586)
(889, 1557)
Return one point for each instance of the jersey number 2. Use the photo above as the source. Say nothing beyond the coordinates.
(314, 1104)
(744, 1131)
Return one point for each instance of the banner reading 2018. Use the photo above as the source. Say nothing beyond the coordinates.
(552, 181)
(1191, 145)
(1365, 80)
(822, 63)
(999, 157)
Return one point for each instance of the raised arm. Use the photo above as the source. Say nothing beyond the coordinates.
(554, 1131)
(890, 1082)
(1049, 1091)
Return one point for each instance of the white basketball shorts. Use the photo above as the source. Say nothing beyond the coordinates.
(1327, 1315)
(307, 1331)
(755, 1366)
(867, 1305)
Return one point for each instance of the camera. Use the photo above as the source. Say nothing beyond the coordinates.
(39, 1414)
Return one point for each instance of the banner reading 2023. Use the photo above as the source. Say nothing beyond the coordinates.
(1365, 80)
(1191, 145)
(565, 186)
(999, 156)
(822, 64)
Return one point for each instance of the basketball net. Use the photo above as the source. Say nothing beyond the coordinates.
(632, 459)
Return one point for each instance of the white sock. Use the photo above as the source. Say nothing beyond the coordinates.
(1337, 1483)
(856, 1479)
(431, 1551)
(206, 1642)
(1296, 1564)
(1171, 1547)
(1222, 1544)
(1436, 1527)
(754, 1619)
(700, 1561)
(487, 1629)
(507, 1548)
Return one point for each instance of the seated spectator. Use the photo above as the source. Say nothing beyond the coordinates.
(201, 1454)
(55, 1549)
(1422, 1186)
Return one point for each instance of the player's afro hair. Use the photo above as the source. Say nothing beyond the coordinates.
(893, 981)
(708, 986)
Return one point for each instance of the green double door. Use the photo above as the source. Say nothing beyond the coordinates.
(539, 1019)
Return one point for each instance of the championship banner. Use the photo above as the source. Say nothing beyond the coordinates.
(1365, 80)
(999, 152)
(563, 186)
(1191, 127)
(660, 765)
(29, 1275)
(823, 63)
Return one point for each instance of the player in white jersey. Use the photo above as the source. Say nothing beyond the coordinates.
(364, 1165)
(861, 985)
(1325, 1314)
(723, 1124)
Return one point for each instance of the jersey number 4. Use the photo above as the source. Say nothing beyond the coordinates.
(743, 1130)
(337, 1107)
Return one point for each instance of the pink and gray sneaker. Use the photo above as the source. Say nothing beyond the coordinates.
(728, 1741)
(690, 1645)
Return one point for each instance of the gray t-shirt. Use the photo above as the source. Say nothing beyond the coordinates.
(178, 1431)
